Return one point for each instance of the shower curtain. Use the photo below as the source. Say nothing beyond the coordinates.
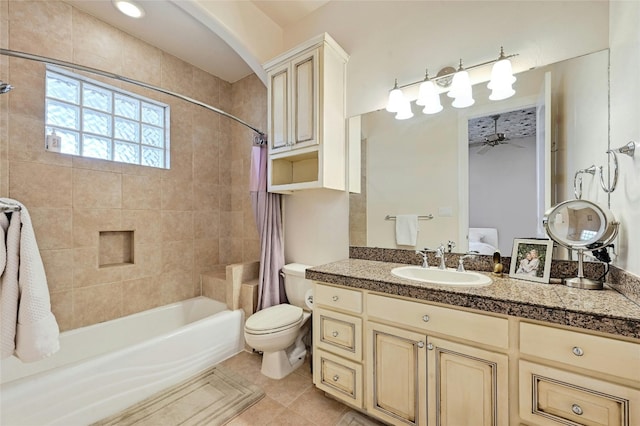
(268, 216)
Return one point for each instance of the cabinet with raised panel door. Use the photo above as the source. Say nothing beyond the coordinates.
(568, 378)
(337, 343)
(416, 378)
(306, 115)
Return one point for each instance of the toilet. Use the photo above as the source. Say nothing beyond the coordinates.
(278, 331)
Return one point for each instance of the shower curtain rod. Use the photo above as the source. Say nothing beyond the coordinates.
(259, 139)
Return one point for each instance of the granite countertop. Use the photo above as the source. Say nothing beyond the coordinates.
(607, 310)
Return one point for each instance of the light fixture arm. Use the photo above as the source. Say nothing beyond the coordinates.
(450, 74)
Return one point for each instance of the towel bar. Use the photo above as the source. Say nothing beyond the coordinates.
(423, 217)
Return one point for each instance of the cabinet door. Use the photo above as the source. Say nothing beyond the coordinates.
(396, 363)
(278, 95)
(466, 385)
(305, 99)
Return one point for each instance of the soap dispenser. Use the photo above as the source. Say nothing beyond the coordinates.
(53, 142)
(497, 264)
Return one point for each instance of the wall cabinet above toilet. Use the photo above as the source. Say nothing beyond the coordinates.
(306, 117)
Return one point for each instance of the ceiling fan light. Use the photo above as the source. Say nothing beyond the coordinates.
(396, 99)
(405, 111)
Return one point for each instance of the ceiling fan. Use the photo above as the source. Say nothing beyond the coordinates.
(493, 140)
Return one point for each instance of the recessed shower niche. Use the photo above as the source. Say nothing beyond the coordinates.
(115, 248)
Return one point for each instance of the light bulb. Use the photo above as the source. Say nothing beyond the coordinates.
(129, 8)
(396, 99)
(501, 74)
(429, 98)
(500, 93)
(463, 100)
(405, 111)
(460, 84)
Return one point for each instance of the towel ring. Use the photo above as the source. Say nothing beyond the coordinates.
(605, 187)
(577, 180)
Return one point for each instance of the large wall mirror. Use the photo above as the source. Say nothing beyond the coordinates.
(495, 165)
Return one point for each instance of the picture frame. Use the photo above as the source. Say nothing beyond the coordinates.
(531, 260)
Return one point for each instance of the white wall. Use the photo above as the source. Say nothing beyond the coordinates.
(502, 188)
(625, 126)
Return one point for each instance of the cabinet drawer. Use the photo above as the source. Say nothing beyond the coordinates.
(610, 356)
(338, 298)
(338, 377)
(550, 397)
(465, 325)
(338, 333)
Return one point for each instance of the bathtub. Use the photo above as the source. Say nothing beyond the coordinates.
(103, 368)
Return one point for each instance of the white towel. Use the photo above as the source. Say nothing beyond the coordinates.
(29, 329)
(406, 229)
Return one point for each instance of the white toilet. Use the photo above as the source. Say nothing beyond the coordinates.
(278, 331)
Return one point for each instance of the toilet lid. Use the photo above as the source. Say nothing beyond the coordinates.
(274, 318)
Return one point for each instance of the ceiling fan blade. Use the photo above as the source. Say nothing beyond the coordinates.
(484, 150)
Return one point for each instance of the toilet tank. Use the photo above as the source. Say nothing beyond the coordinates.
(295, 284)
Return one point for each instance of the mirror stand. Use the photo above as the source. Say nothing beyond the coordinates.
(580, 281)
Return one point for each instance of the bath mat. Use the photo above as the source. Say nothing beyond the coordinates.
(353, 418)
(212, 397)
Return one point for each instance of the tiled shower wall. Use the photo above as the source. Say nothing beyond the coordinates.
(193, 218)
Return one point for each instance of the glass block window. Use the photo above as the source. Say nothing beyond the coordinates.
(96, 120)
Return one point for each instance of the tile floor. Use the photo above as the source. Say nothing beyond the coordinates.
(290, 401)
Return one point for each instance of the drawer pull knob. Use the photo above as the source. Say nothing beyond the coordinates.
(576, 409)
(334, 334)
(425, 318)
(430, 346)
(334, 298)
(577, 351)
(336, 378)
(421, 344)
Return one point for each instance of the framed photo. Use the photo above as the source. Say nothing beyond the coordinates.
(531, 260)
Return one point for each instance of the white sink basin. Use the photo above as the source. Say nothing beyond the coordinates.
(442, 276)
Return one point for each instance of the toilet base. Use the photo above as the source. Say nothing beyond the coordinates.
(279, 364)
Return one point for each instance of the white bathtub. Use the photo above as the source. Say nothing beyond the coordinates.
(104, 368)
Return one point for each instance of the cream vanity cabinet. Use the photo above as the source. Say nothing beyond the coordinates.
(306, 117)
(337, 343)
(568, 378)
(429, 364)
(417, 363)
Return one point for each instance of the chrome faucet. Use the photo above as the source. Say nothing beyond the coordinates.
(423, 253)
(471, 254)
(440, 251)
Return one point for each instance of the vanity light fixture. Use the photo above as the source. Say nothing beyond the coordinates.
(129, 8)
(459, 87)
(428, 96)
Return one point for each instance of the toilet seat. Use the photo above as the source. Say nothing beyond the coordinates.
(274, 319)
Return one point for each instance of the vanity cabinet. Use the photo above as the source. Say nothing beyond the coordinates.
(408, 360)
(306, 115)
(396, 375)
(567, 377)
(337, 343)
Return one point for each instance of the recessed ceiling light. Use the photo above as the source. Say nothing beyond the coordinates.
(129, 8)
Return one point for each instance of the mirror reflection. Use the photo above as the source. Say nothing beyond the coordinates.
(489, 172)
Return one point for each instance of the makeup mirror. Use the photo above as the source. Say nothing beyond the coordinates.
(581, 225)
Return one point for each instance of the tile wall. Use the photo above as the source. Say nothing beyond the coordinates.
(193, 218)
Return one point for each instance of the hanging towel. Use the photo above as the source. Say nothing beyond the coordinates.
(29, 329)
(406, 229)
